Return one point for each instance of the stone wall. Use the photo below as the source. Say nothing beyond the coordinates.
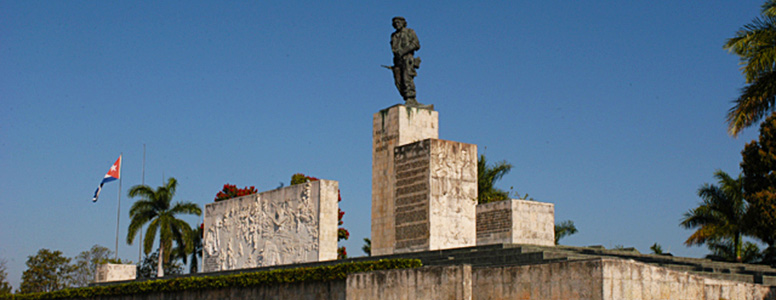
(590, 279)
(448, 282)
(556, 281)
(115, 272)
(606, 279)
(289, 225)
(331, 290)
(392, 127)
(453, 189)
(516, 222)
(632, 280)
(436, 192)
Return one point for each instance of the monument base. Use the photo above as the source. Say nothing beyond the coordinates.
(516, 222)
(435, 195)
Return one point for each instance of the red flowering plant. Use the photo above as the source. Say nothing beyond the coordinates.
(342, 233)
(231, 191)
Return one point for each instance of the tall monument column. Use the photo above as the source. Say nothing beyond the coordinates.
(392, 127)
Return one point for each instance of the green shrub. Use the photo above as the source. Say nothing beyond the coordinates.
(297, 275)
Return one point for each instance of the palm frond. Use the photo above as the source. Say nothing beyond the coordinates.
(756, 100)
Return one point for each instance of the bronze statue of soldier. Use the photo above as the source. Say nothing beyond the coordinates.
(404, 43)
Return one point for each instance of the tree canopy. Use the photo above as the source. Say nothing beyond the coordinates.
(487, 175)
(759, 168)
(47, 271)
(755, 44)
(721, 216)
(155, 209)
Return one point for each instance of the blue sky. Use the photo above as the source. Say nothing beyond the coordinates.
(612, 110)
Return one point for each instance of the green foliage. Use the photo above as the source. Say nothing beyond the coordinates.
(487, 175)
(564, 229)
(656, 249)
(155, 208)
(197, 236)
(5, 287)
(759, 168)
(86, 263)
(367, 247)
(724, 250)
(46, 271)
(146, 269)
(755, 44)
(721, 216)
(301, 178)
(283, 276)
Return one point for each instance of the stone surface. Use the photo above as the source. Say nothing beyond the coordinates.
(392, 127)
(516, 222)
(606, 279)
(115, 272)
(447, 282)
(435, 197)
(293, 224)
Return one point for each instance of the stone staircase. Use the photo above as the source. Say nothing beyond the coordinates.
(513, 254)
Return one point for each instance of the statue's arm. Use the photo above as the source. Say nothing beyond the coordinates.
(415, 43)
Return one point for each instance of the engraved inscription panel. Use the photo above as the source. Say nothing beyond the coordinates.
(494, 221)
(412, 192)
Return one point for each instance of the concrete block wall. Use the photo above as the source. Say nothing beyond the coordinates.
(580, 280)
(394, 126)
(516, 222)
(115, 272)
(439, 282)
(435, 198)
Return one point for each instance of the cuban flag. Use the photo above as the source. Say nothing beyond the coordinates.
(113, 174)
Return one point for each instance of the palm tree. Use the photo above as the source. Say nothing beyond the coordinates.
(196, 243)
(564, 229)
(487, 175)
(721, 215)
(755, 44)
(155, 209)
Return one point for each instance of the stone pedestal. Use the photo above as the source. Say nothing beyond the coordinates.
(516, 222)
(294, 224)
(115, 272)
(392, 127)
(435, 195)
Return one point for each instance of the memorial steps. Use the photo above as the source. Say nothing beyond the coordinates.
(516, 255)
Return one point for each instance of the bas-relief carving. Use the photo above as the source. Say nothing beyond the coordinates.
(454, 193)
(252, 231)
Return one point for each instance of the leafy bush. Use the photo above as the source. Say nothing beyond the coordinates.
(297, 275)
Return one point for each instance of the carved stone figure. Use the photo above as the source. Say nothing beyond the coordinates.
(404, 43)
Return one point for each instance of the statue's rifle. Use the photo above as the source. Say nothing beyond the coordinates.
(387, 67)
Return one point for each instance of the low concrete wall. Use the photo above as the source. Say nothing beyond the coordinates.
(593, 279)
(448, 282)
(625, 279)
(564, 280)
(333, 290)
(606, 279)
(115, 272)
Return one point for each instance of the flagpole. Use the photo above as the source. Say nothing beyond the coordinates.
(142, 182)
(118, 210)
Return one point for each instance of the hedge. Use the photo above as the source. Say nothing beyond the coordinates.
(283, 276)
